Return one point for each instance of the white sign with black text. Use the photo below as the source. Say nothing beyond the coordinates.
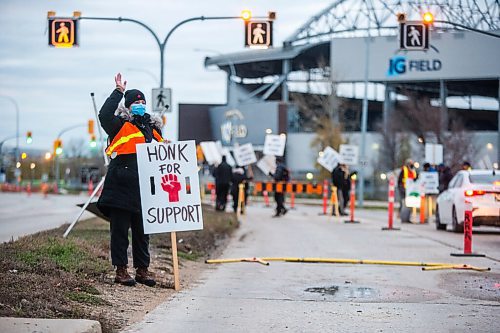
(329, 158)
(349, 154)
(244, 154)
(430, 182)
(274, 144)
(169, 187)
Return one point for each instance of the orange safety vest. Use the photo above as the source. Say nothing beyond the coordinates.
(407, 173)
(124, 142)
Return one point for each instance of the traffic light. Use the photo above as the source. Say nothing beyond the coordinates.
(29, 138)
(63, 31)
(24, 156)
(93, 143)
(58, 147)
(428, 18)
(246, 14)
(271, 16)
(91, 127)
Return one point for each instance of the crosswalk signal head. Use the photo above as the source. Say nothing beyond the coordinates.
(246, 14)
(29, 138)
(428, 18)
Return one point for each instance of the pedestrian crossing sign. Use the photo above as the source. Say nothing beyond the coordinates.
(413, 35)
(63, 32)
(162, 99)
(259, 34)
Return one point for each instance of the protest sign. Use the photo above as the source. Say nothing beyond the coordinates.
(329, 158)
(211, 153)
(349, 154)
(267, 164)
(244, 154)
(274, 144)
(430, 182)
(412, 198)
(225, 152)
(169, 187)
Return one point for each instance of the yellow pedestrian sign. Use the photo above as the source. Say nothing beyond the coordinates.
(259, 34)
(62, 32)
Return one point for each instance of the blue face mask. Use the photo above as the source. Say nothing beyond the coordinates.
(138, 109)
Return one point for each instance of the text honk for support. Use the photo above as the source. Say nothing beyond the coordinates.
(169, 185)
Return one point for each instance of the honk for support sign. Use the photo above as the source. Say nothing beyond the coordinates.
(170, 191)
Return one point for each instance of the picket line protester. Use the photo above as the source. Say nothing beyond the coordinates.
(169, 187)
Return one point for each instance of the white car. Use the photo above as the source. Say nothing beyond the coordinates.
(481, 188)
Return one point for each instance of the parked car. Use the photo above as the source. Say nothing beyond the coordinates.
(481, 188)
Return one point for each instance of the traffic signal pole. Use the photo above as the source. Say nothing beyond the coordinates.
(162, 45)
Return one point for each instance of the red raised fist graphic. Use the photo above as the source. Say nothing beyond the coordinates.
(171, 186)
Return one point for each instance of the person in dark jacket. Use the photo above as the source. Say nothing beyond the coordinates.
(222, 174)
(240, 176)
(281, 174)
(340, 179)
(120, 200)
(445, 177)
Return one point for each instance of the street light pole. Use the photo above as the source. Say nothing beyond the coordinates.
(17, 124)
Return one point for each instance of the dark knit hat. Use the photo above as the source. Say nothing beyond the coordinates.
(132, 96)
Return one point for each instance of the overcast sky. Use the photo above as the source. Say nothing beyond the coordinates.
(52, 86)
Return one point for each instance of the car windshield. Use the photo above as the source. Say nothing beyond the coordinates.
(484, 179)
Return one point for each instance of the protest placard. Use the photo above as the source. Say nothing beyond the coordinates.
(244, 154)
(169, 187)
(267, 164)
(412, 198)
(224, 151)
(211, 153)
(349, 154)
(329, 158)
(430, 182)
(274, 144)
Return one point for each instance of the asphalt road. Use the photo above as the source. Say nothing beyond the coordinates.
(301, 297)
(21, 214)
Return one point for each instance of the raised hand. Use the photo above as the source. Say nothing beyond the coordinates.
(118, 81)
(171, 185)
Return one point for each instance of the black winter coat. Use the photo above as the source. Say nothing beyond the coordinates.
(121, 187)
(223, 173)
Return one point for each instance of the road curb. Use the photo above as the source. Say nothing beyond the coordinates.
(29, 325)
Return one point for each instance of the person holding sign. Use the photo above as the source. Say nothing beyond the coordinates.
(222, 174)
(240, 176)
(407, 172)
(280, 175)
(120, 200)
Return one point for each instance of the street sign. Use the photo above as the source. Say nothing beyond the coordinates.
(169, 187)
(161, 99)
(413, 35)
(433, 153)
(63, 32)
(274, 144)
(244, 154)
(329, 158)
(349, 154)
(259, 34)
